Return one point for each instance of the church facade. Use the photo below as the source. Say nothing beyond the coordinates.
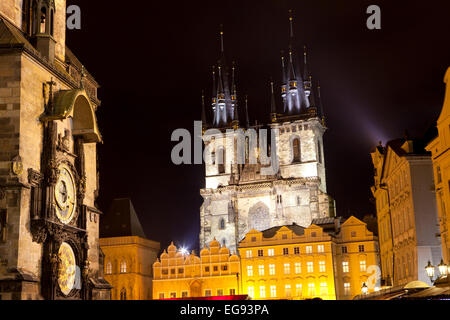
(49, 223)
(242, 190)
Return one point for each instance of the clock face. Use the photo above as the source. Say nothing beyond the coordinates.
(65, 194)
(67, 268)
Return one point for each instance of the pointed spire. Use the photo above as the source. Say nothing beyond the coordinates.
(305, 64)
(291, 29)
(235, 118)
(283, 68)
(204, 124)
(220, 89)
(273, 107)
(233, 80)
(222, 49)
(247, 120)
(320, 106)
(291, 69)
(312, 95)
(214, 90)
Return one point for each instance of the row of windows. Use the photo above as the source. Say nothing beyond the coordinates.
(361, 248)
(271, 252)
(215, 268)
(287, 268)
(272, 290)
(123, 267)
(207, 293)
(362, 266)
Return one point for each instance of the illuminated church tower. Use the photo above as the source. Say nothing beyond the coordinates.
(241, 195)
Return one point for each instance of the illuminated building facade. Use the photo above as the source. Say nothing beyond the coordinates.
(440, 150)
(129, 255)
(49, 223)
(240, 195)
(406, 210)
(326, 260)
(214, 273)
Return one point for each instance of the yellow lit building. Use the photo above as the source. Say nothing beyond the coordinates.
(327, 260)
(406, 210)
(129, 255)
(357, 259)
(178, 275)
(440, 150)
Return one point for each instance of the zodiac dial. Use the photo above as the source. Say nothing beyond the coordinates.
(65, 194)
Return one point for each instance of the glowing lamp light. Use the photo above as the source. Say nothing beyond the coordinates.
(442, 268)
(430, 270)
(184, 251)
(364, 288)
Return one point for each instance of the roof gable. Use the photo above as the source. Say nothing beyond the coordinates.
(445, 112)
(121, 220)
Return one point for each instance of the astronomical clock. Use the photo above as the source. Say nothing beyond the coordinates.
(58, 215)
(49, 221)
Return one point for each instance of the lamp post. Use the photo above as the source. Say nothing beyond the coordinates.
(364, 288)
(430, 271)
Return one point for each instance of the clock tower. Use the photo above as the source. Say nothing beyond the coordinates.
(49, 223)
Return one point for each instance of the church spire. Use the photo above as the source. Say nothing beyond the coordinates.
(319, 103)
(204, 123)
(224, 96)
(273, 107)
(247, 120)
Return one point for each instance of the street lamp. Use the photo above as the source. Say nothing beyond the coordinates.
(364, 288)
(430, 270)
(442, 268)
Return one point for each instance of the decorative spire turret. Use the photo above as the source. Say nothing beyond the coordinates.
(273, 107)
(224, 99)
(247, 119)
(307, 84)
(319, 103)
(204, 121)
(293, 90)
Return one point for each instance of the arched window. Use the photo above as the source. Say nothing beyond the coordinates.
(296, 150)
(319, 151)
(26, 17)
(43, 20)
(123, 267)
(224, 242)
(222, 224)
(109, 268)
(123, 294)
(247, 149)
(52, 18)
(221, 160)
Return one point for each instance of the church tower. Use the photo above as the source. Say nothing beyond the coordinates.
(49, 222)
(239, 194)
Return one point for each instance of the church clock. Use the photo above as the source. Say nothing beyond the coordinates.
(65, 194)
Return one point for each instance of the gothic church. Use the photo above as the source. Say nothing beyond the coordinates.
(240, 196)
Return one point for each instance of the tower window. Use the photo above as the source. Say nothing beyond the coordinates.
(296, 150)
(108, 268)
(123, 267)
(319, 151)
(221, 161)
(222, 224)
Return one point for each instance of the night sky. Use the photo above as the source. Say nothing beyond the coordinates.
(153, 59)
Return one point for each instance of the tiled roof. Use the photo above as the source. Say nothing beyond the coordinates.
(269, 233)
